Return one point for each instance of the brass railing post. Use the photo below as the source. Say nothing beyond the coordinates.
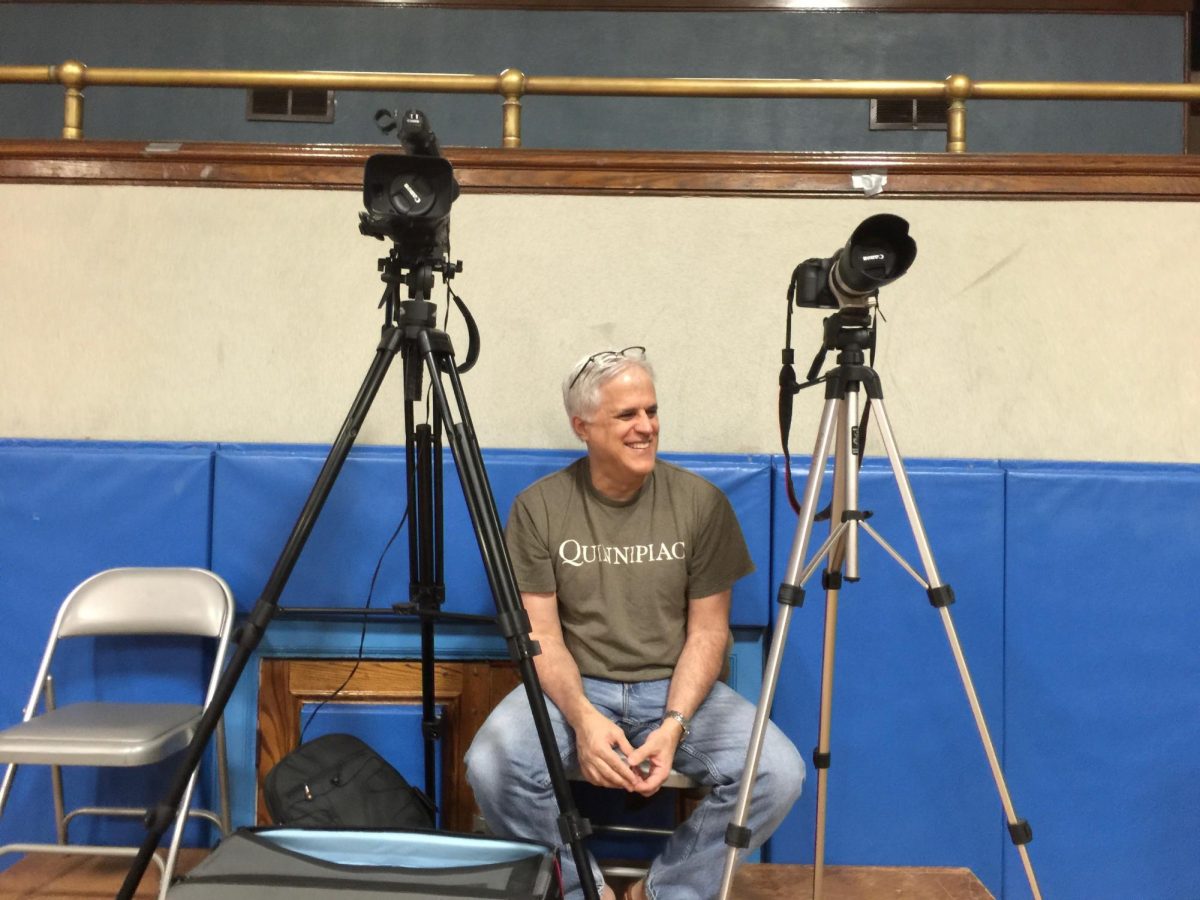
(512, 86)
(71, 74)
(958, 89)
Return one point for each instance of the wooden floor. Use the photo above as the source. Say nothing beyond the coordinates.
(76, 877)
(98, 878)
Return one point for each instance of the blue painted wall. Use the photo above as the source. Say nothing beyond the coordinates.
(757, 44)
(1076, 611)
(68, 511)
(1102, 671)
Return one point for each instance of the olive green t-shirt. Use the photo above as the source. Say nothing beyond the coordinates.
(625, 571)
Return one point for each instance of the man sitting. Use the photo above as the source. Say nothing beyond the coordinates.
(625, 565)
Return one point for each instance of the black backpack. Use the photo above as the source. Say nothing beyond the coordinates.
(338, 781)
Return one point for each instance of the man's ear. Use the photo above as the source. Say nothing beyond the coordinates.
(579, 426)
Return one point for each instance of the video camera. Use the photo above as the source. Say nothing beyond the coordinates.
(408, 196)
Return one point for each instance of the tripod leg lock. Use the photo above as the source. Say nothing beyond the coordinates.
(427, 595)
(791, 595)
(514, 626)
(391, 339)
(737, 836)
(1020, 831)
(831, 581)
(821, 760)
(513, 623)
(250, 632)
(941, 596)
(521, 647)
(573, 827)
(433, 730)
(159, 818)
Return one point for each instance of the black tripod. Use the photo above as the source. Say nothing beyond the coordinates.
(409, 329)
(850, 331)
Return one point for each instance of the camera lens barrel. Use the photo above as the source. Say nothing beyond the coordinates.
(878, 252)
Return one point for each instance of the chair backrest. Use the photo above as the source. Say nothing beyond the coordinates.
(148, 601)
(143, 601)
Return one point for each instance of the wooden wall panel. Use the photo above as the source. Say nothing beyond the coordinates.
(1127, 7)
(915, 175)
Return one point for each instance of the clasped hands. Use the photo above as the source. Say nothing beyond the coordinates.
(607, 759)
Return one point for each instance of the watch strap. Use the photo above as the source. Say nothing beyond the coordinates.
(684, 722)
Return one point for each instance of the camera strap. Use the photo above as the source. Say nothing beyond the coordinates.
(789, 387)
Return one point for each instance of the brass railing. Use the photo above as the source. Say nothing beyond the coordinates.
(513, 84)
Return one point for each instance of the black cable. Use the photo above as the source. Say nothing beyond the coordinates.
(362, 638)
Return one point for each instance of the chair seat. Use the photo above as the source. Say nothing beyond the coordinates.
(680, 782)
(101, 734)
(675, 779)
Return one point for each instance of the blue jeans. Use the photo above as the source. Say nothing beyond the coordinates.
(507, 771)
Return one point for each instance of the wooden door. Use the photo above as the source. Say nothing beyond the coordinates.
(468, 691)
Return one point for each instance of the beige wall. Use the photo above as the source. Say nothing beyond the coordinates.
(1053, 330)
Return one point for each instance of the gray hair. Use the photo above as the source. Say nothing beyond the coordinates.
(581, 386)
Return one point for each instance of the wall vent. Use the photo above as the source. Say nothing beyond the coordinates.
(286, 105)
(908, 115)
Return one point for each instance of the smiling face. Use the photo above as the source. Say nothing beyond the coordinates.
(622, 434)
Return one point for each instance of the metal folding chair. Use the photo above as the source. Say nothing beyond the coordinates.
(688, 793)
(138, 603)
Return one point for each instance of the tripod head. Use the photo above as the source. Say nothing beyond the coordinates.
(413, 312)
(850, 330)
(415, 275)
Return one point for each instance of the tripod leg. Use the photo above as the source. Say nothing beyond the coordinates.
(511, 617)
(846, 500)
(844, 554)
(942, 596)
(250, 634)
(424, 553)
(791, 595)
(821, 755)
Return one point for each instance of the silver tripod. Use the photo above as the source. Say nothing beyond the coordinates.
(849, 331)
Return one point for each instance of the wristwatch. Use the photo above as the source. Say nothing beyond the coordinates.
(684, 722)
